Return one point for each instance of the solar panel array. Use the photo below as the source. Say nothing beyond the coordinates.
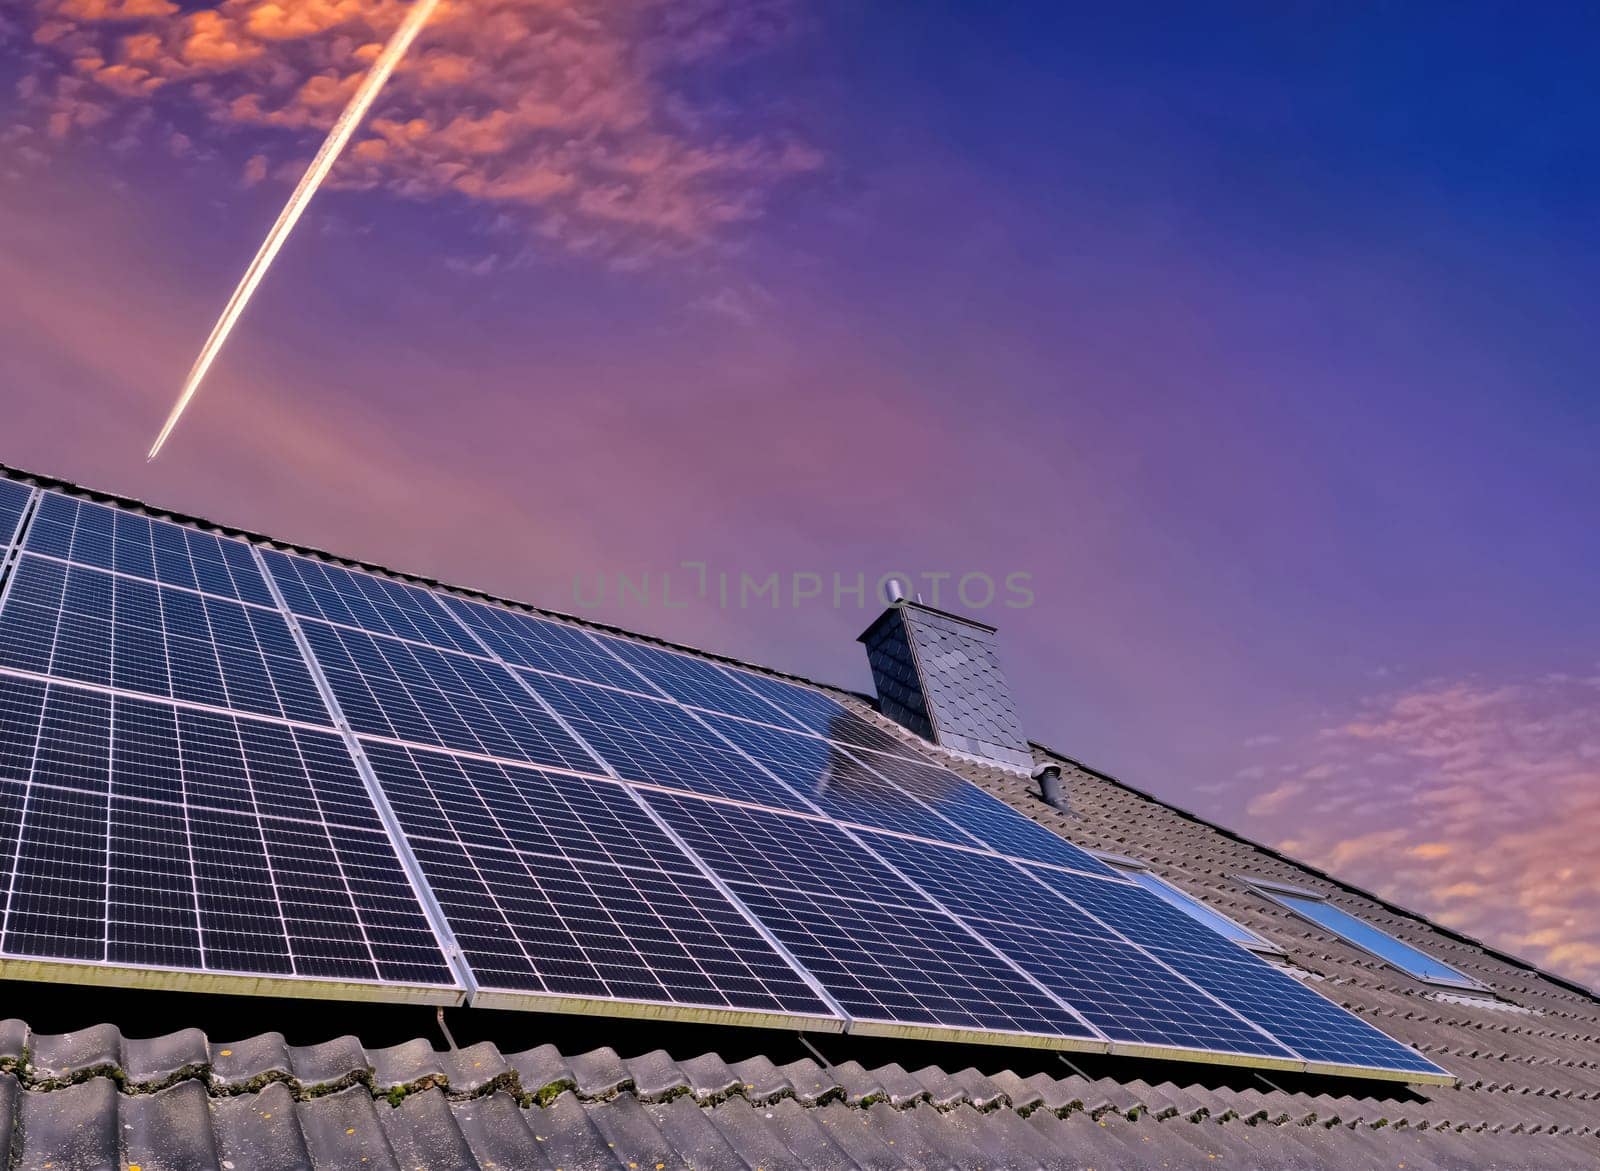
(234, 767)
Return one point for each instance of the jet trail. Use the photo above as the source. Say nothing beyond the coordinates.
(332, 147)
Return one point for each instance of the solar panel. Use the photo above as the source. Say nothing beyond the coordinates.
(227, 763)
(880, 948)
(988, 819)
(525, 641)
(318, 589)
(423, 695)
(1127, 994)
(72, 622)
(698, 683)
(115, 539)
(656, 741)
(562, 890)
(1331, 1039)
(835, 781)
(145, 835)
(819, 713)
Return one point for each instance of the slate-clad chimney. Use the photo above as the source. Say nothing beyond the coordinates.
(938, 675)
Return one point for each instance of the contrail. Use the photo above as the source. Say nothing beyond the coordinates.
(332, 147)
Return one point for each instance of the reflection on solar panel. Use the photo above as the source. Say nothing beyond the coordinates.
(821, 714)
(835, 781)
(990, 820)
(224, 763)
(147, 835)
(559, 887)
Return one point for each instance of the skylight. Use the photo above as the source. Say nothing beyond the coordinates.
(1368, 938)
(1188, 904)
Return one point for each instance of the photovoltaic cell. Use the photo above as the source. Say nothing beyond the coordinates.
(525, 641)
(878, 946)
(656, 741)
(424, 695)
(564, 887)
(73, 622)
(157, 550)
(142, 834)
(318, 589)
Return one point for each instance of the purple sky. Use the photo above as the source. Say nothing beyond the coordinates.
(1260, 339)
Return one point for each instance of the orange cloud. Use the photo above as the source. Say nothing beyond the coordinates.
(561, 111)
(1474, 803)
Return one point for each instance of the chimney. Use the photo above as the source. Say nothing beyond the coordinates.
(938, 675)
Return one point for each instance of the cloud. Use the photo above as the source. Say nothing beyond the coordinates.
(1471, 802)
(572, 114)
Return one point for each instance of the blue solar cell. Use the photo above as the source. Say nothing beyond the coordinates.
(878, 946)
(85, 624)
(1141, 916)
(140, 833)
(350, 597)
(1125, 993)
(566, 887)
(156, 550)
(424, 695)
(1315, 1027)
(656, 741)
(526, 641)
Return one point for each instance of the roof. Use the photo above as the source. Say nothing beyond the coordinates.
(1529, 1068)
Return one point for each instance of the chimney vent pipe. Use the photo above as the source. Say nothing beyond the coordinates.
(1049, 778)
(893, 591)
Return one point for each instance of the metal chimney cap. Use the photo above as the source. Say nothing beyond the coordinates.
(893, 591)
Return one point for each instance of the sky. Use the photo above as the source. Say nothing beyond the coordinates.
(1235, 361)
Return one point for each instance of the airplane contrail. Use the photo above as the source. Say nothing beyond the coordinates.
(332, 147)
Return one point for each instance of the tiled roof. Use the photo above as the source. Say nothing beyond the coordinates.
(97, 1100)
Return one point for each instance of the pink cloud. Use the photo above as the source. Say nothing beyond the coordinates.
(563, 113)
(1474, 803)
